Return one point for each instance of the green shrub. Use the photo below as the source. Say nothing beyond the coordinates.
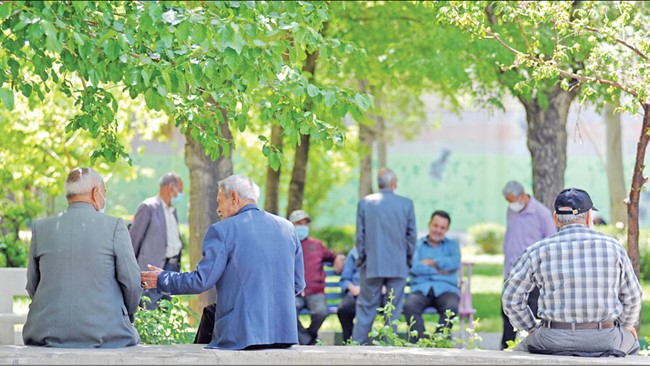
(488, 236)
(340, 239)
(166, 324)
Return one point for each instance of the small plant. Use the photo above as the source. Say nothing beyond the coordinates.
(166, 324)
(386, 334)
(488, 236)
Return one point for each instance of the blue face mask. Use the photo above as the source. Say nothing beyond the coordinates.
(302, 232)
(178, 199)
(103, 208)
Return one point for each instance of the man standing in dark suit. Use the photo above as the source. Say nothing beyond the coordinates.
(386, 237)
(154, 232)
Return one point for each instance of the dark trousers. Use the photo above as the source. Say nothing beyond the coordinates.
(206, 325)
(509, 333)
(416, 302)
(317, 306)
(346, 313)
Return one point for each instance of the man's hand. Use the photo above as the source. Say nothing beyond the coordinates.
(383, 290)
(633, 331)
(354, 289)
(149, 279)
(339, 261)
(428, 262)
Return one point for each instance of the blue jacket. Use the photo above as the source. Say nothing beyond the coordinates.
(386, 234)
(447, 258)
(255, 261)
(350, 273)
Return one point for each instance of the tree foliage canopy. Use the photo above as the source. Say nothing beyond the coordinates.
(188, 59)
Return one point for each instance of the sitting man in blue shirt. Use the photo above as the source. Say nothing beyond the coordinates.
(434, 275)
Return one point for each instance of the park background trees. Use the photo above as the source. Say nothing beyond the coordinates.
(275, 81)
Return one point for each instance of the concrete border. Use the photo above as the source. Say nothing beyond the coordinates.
(191, 354)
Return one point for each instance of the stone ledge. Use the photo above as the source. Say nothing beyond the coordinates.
(191, 354)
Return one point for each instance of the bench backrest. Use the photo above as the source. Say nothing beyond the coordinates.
(13, 282)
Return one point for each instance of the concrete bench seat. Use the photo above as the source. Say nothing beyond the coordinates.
(191, 354)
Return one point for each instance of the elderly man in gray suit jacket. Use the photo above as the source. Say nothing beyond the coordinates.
(386, 237)
(82, 275)
(154, 232)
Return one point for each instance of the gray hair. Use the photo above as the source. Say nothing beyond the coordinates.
(81, 181)
(384, 177)
(169, 178)
(513, 187)
(571, 219)
(244, 186)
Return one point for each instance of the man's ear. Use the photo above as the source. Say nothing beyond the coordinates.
(557, 222)
(234, 196)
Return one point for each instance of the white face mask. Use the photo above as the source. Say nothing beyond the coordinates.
(516, 206)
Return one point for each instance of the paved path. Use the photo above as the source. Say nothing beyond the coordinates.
(190, 354)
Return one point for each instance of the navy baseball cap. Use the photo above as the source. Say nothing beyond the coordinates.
(573, 201)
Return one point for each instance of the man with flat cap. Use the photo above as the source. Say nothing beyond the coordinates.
(589, 299)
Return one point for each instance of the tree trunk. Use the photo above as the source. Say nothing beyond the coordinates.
(299, 174)
(204, 176)
(366, 139)
(547, 139)
(638, 180)
(382, 153)
(615, 174)
(272, 188)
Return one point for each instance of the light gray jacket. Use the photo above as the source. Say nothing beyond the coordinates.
(386, 234)
(83, 280)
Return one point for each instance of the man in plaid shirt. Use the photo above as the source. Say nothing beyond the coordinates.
(589, 300)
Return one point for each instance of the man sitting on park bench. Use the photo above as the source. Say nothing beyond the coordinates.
(434, 276)
(589, 299)
(313, 297)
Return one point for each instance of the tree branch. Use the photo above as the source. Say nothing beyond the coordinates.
(624, 43)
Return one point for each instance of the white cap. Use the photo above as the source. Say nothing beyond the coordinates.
(298, 215)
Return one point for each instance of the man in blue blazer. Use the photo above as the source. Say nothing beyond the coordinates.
(254, 260)
(154, 232)
(385, 241)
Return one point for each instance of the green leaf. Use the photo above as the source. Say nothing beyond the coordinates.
(362, 102)
(112, 50)
(183, 31)
(5, 9)
(7, 97)
(312, 90)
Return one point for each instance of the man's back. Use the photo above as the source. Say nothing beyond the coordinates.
(386, 234)
(255, 260)
(83, 280)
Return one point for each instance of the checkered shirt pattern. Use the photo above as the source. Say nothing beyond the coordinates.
(583, 276)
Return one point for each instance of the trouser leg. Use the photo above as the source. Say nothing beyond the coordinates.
(206, 325)
(346, 313)
(442, 303)
(367, 302)
(414, 306)
(317, 304)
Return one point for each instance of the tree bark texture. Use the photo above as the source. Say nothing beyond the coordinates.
(615, 174)
(547, 139)
(299, 174)
(366, 140)
(204, 176)
(638, 180)
(272, 187)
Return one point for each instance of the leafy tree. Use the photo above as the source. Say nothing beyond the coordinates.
(611, 39)
(206, 65)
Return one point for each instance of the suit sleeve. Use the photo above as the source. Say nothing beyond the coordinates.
(139, 227)
(361, 235)
(126, 268)
(347, 274)
(299, 266)
(411, 234)
(208, 271)
(451, 260)
(33, 270)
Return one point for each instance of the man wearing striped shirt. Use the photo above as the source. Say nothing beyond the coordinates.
(589, 300)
